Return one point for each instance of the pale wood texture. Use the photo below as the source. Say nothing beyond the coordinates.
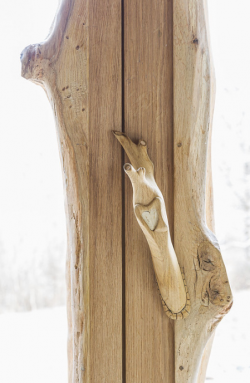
(79, 66)
(148, 105)
(133, 65)
(195, 245)
(150, 211)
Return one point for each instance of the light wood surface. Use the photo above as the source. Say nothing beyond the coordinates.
(148, 105)
(150, 211)
(195, 244)
(143, 68)
(79, 66)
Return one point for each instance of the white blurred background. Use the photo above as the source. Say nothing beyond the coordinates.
(33, 328)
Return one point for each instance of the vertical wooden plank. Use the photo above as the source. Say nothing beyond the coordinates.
(148, 115)
(105, 191)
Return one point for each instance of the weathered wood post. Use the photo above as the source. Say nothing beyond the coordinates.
(142, 69)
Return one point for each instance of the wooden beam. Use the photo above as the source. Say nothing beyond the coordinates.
(79, 66)
(148, 115)
(195, 244)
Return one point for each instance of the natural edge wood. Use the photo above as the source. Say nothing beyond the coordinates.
(79, 67)
(195, 244)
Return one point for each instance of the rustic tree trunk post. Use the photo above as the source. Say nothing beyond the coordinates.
(142, 69)
(197, 248)
(79, 66)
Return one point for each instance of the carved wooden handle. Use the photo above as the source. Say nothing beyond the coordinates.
(150, 212)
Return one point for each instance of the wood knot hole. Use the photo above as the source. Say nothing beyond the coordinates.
(195, 41)
(181, 368)
(179, 144)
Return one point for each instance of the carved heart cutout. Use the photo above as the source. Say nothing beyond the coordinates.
(151, 218)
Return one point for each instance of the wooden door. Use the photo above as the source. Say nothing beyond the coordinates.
(141, 67)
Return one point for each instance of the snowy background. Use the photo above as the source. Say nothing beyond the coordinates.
(33, 328)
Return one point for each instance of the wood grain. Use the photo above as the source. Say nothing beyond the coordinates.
(195, 244)
(150, 212)
(148, 115)
(105, 191)
(79, 66)
(143, 67)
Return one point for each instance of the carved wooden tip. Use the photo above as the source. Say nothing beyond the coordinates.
(120, 136)
(141, 171)
(137, 153)
(117, 133)
(127, 167)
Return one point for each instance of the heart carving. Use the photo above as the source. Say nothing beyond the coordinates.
(151, 218)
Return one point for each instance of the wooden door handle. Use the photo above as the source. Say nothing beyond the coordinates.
(150, 212)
